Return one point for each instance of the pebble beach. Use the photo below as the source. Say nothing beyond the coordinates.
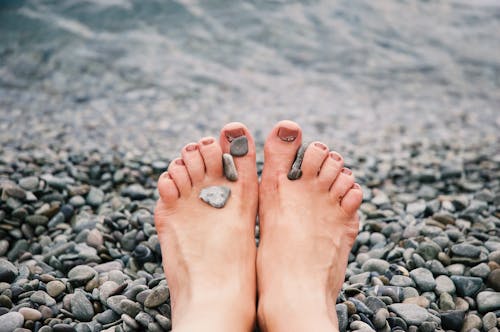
(93, 113)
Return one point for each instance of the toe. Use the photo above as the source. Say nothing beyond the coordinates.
(342, 184)
(313, 159)
(212, 156)
(179, 173)
(167, 189)
(352, 199)
(330, 170)
(194, 163)
(244, 161)
(281, 148)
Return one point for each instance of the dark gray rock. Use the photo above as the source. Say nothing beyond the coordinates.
(215, 196)
(296, 169)
(411, 313)
(342, 316)
(8, 271)
(467, 286)
(229, 167)
(452, 320)
(81, 307)
(466, 250)
(239, 146)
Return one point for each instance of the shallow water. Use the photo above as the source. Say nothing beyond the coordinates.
(110, 73)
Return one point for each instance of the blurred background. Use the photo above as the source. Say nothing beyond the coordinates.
(140, 76)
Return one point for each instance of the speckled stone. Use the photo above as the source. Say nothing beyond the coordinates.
(229, 167)
(239, 146)
(215, 196)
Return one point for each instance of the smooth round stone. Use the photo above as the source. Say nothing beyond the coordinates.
(106, 289)
(452, 320)
(81, 273)
(342, 316)
(428, 250)
(129, 307)
(466, 250)
(106, 317)
(113, 303)
(446, 302)
(81, 307)
(11, 321)
(375, 265)
(424, 279)
(158, 296)
(29, 183)
(30, 314)
(37, 220)
(401, 281)
(95, 197)
(144, 319)
(229, 167)
(444, 285)
(436, 267)
(380, 318)
(494, 279)
(239, 146)
(467, 286)
(40, 297)
(55, 288)
(489, 321)
(472, 321)
(456, 269)
(488, 301)
(409, 292)
(481, 270)
(63, 328)
(77, 201)
(411, 313)
(95, 238)
(166, 323)
(8, 271)
(215, 196)
(421, 301)
(494, 256)
(130, 322)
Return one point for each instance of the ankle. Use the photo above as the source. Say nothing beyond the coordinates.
(313, 313)
(217, 312)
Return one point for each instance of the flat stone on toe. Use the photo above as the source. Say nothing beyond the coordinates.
(239, 146)
(215, 196)
(296, 171)
(229, 168)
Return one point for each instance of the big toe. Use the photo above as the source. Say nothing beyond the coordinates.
(281, 148)
(235, 139)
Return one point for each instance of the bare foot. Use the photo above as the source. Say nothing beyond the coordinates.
(307, 229)
(209, 253)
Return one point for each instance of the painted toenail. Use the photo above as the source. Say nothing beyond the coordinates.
(321, 146)
(179, 162)
(207, 141)
(234, 133)
(239, 146)
(191, 147)
(335, 156)
(229, 167)
(287, 134)
(296, 170)
(346, 171)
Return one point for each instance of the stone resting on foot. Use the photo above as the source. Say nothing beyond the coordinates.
(205, 218)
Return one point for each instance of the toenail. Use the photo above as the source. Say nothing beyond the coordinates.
(346, 171)
(192, 147)
(287, 134)
(234, 133)
(207, 141)
(335, 156)
(356, 186)
(321, 146)
(167, 175)
(179, 162)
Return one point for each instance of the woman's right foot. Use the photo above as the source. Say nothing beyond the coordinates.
(307, 229)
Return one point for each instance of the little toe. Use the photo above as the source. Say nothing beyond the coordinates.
(236, 139)
(352, 199)
(330, 170)
(281, 148)
(194, 162)
(342, 184)
(212, 156)
(167, 189)
(179, 173)
(313, 159)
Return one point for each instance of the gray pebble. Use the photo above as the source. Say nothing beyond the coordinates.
(164, 322)
(81, 273)
(81, 307)
(55, 288)
(296, 169)
(488, 301)
(444, 285)
(95, 197)
(424, 279)
(229, 167)
(158, 296)
(411, 313)
(215, 196)
(40, 297)
(239, 146)
(129, 307)
(11, 321)
(467, 286)
(342, 316)
(8, 271)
